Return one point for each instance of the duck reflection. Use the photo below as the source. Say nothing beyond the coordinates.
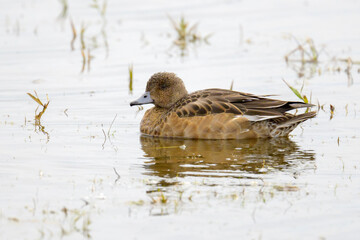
(170, 158)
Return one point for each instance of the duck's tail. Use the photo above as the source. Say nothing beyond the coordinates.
(279, 126)
(283, 128)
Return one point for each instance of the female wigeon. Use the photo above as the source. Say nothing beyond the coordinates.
(214, 113)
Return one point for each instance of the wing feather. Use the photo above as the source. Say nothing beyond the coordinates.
(214, 101)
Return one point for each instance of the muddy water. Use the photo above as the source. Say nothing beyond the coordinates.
(87, 173)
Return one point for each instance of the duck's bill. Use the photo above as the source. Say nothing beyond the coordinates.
(144, 99)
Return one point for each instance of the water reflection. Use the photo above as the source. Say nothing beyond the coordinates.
(169, 158)
(304, 69)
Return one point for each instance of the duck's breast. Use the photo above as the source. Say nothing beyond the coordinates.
(214, 126)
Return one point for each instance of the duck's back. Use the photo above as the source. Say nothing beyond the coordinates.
(224, 114)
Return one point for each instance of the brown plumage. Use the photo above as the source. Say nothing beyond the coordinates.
(214, 113)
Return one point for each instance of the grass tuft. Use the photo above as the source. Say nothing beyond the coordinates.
(307, 51)
(187, 34)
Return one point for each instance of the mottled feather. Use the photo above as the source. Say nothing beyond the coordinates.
(213, 101)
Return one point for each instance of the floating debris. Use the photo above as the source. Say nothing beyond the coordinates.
(183, 147)
(332, 110)
(286, 188)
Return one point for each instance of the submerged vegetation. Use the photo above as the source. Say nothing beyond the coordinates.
(304, 60)
(178, 198)
(74, 35)
(65, 9)
(87, 43)
(101, 9)
(305, 52)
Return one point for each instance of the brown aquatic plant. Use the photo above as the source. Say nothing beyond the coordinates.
(44, 106)
(74, 35)
(304, 58)
(85, 52)
(86, 46)
(307, 50)
(82, 36)
(232, 85)
(101, 8)
(108, 135)
(332, 110)
(349, 65)
(286, 188)
(64, 10)
(38, 126)
(131, 71)
(76, 220)
(89, 58)
(187, 34)
(161, 198)
(83, 60)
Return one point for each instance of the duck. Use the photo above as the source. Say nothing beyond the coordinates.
(214, 113)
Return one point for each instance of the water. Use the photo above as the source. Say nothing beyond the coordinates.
(83, 177)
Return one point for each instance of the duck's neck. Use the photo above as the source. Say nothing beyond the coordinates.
(152, 119)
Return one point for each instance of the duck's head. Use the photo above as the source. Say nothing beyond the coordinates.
(163, 89)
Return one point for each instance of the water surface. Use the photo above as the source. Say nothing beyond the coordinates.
(79, 176)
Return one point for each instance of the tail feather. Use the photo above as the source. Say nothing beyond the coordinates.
(296, 119)
(285, 127)
(281, 126)
(301, 105)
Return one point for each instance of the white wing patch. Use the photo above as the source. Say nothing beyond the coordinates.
(257, 118)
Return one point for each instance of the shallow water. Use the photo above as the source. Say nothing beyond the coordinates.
(81, 176)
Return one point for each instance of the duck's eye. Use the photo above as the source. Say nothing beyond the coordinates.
(163, 86)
